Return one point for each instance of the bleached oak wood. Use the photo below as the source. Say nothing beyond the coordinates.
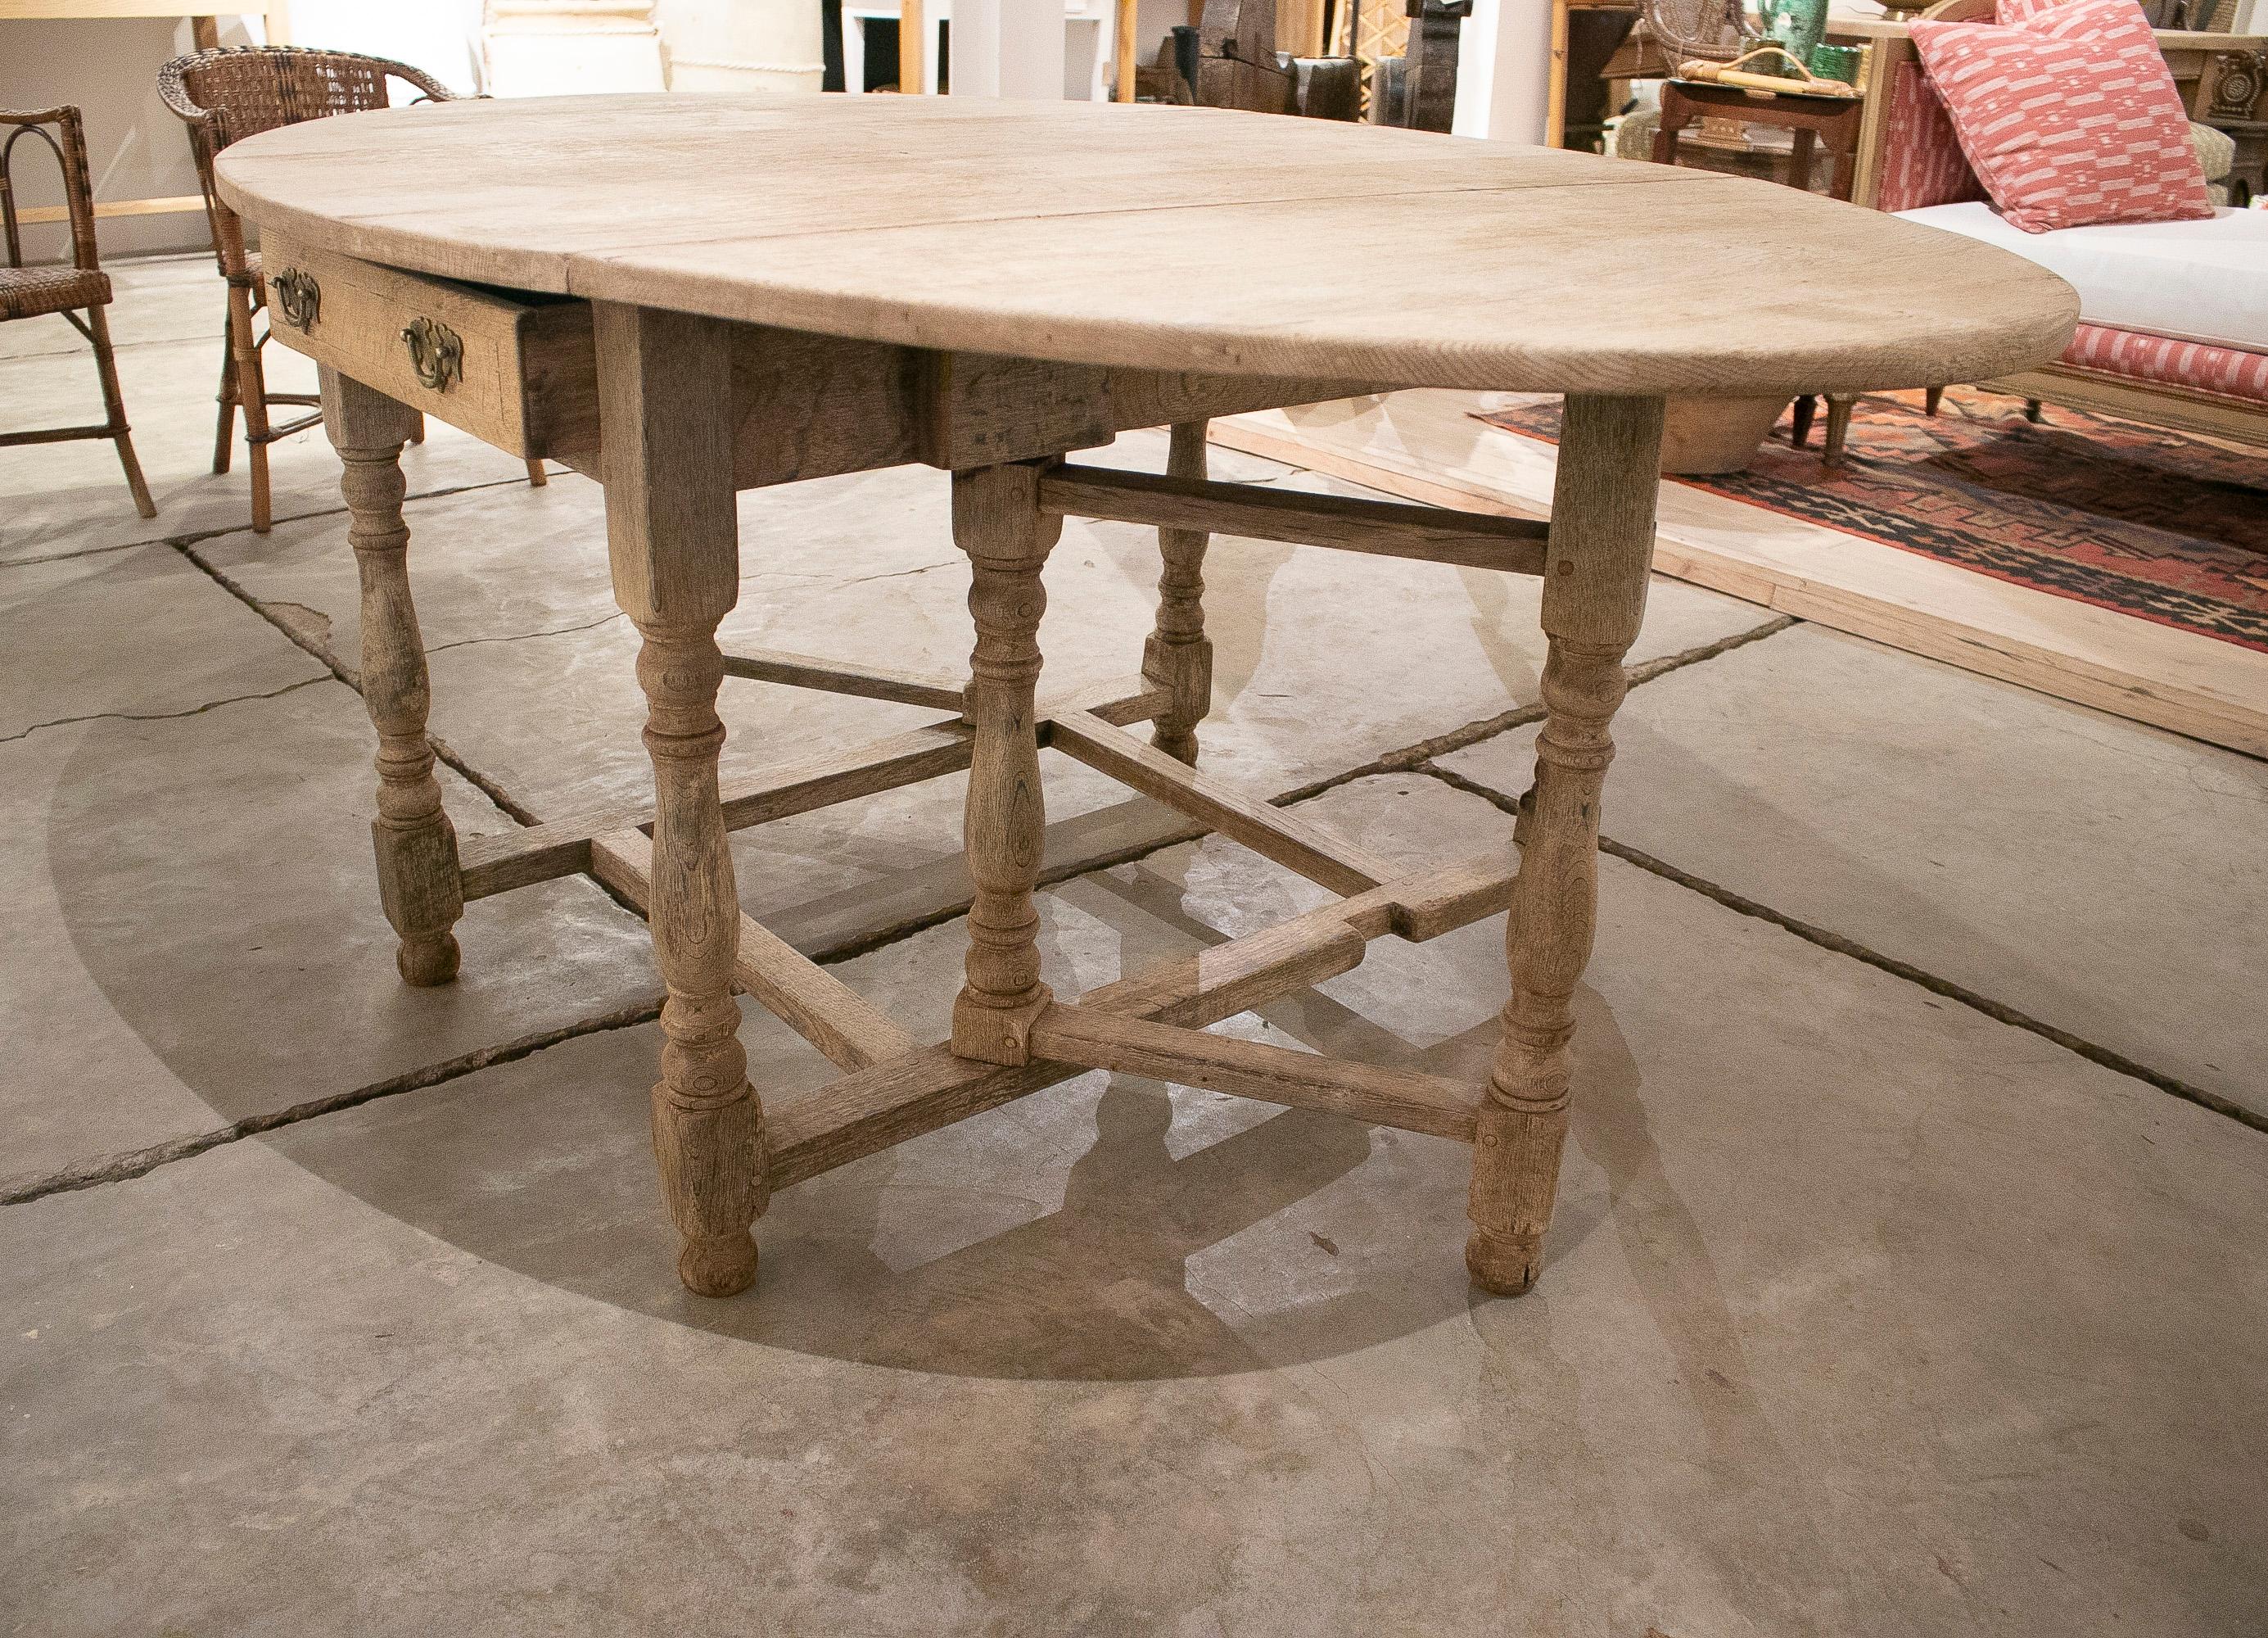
(416, 845)
(562, 847)
(998, 521)
(1178, 655)
(1428, 447)
(835, 676)
(1345, 522)
(1404, 1098)
(1594, 600)
(1445, 900)
(930, 222)
(911, 279)
(793, 988)
(664, 399)
(874, 1109)
(524, 382)
(1276, 833)
(804, 405)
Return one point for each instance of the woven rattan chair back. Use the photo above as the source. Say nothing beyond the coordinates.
(228, 94)
(224, 96)
(78, 290)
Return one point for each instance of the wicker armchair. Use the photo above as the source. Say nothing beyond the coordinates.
(66, 288)
(223, 96)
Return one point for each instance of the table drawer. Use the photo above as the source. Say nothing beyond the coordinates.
(515, 371)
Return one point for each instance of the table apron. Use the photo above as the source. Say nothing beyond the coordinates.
(522, 375)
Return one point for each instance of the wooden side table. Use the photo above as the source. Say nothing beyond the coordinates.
(1816, 122)
(607, 281)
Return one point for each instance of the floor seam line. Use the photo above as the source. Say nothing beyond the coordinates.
(128, 1164)
(191, 537)
(1414, 757)
(165, 716)
(1921, 978)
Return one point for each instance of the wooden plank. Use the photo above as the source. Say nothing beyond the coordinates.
(834, 676)
(1275, 833)
(1555, 94)
(562, 847)
(1407, 1099)
(879, 1108)
(1125, 34)
(913, 48)
(1428, 447)
(1238, 975)
(94, 11)
(891, 1101)
(903, 900)
(1425, 907)
(793, 988)
(179, 205)
(1344, 522)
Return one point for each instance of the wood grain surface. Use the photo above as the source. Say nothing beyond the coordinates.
(1136, 237)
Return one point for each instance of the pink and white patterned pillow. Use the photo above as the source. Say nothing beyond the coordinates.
(2068, 114)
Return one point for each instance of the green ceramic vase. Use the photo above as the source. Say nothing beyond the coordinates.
(1796, 26)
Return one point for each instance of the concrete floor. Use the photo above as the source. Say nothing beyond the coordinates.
(1907, 1273)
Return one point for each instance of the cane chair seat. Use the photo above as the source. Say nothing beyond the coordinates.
(25, 292)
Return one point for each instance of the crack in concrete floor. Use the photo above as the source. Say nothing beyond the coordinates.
(1827, 939)
(1417, 758)
(191, 537)
(160, 716)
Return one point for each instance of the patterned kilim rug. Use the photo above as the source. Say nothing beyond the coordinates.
(2148, 522)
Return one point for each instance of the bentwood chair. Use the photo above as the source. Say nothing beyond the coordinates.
(225, 95)
(67, 288)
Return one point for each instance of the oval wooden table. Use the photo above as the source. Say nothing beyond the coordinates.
(686, 296)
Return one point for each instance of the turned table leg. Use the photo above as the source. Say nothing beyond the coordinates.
(1601, 546)
(998, 521)
(1178, 657)
(672, 537)
(417, 846)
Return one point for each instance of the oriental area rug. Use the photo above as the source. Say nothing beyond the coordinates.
(2111, 513)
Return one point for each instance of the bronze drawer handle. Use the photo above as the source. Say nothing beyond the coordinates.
(299, 298)
(436, 352)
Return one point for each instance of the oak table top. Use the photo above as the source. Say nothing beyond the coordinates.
(1161, 238)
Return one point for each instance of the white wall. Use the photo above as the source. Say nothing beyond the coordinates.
(137, 149)
(1008, 48)
(1504, 70)
(443, 37)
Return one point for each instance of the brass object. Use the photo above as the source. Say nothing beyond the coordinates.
(436, 352)
(299, 298)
